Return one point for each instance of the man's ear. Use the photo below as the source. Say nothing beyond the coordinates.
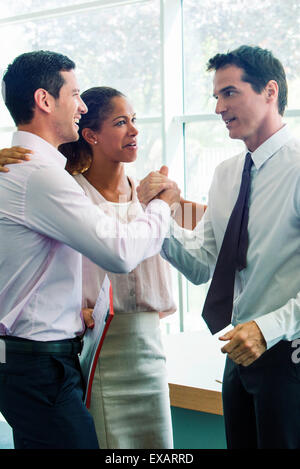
(43, 100)
(271, 90)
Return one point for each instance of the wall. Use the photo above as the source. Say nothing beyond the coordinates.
(197, 430)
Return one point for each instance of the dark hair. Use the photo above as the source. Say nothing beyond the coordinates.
(259, 66)
(29, 72)
(99, 103)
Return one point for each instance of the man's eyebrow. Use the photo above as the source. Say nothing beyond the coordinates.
(76, 90)
(223, 90)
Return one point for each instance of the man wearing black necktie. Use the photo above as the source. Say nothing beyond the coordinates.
(248, 244)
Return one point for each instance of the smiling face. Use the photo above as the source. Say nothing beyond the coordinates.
(68, 109)
(245, 112)
(117, 139)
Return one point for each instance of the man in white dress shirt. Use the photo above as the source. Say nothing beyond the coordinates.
(45, 222)
(261, 385)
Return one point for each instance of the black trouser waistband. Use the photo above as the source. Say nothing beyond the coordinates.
(19, 345)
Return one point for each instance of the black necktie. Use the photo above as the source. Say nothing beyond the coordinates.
(218, 305)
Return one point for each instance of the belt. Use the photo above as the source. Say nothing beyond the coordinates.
(65, 347)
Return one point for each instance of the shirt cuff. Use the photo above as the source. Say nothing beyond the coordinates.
(269, 329)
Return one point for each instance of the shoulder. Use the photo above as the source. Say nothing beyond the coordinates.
(230, 167)
(292, 147)
(52, 179)
(289, 156)
(18, 176)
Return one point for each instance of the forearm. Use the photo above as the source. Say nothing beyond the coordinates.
(193, 253)
(281, 324)
(189, 214)
(196, 270)
(63, 213)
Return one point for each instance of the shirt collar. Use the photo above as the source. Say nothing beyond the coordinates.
(41, 146)
(270, 146)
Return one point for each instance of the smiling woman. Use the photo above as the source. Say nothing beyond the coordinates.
(114, 141)
(130, 397)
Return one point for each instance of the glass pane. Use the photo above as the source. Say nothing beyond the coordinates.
(5, 118)
(196, 295)
(110, 47)
(271, 24)
(149, 153)
(207, 144)
(5, 139)
(20, 7)
(294, 124)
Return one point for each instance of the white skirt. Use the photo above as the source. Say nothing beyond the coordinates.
(130, 395)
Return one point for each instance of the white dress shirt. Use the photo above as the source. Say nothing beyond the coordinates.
(148, 287)
(268, 289)
(45, 218)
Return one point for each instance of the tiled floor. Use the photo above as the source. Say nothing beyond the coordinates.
(6, 439)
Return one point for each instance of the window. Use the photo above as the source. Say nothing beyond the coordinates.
(210, 27)
(155, 52)
(110, 46)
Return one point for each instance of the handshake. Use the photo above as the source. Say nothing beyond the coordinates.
(157, 185)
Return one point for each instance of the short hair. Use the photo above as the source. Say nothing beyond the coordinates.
(29, 72)
(259, 66)
(99, 103)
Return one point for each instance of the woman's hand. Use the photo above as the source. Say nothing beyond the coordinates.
(87, 314)
(153, 184)
(12, 156)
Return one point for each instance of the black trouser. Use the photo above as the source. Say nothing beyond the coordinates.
(41, 397)
(262, 401)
